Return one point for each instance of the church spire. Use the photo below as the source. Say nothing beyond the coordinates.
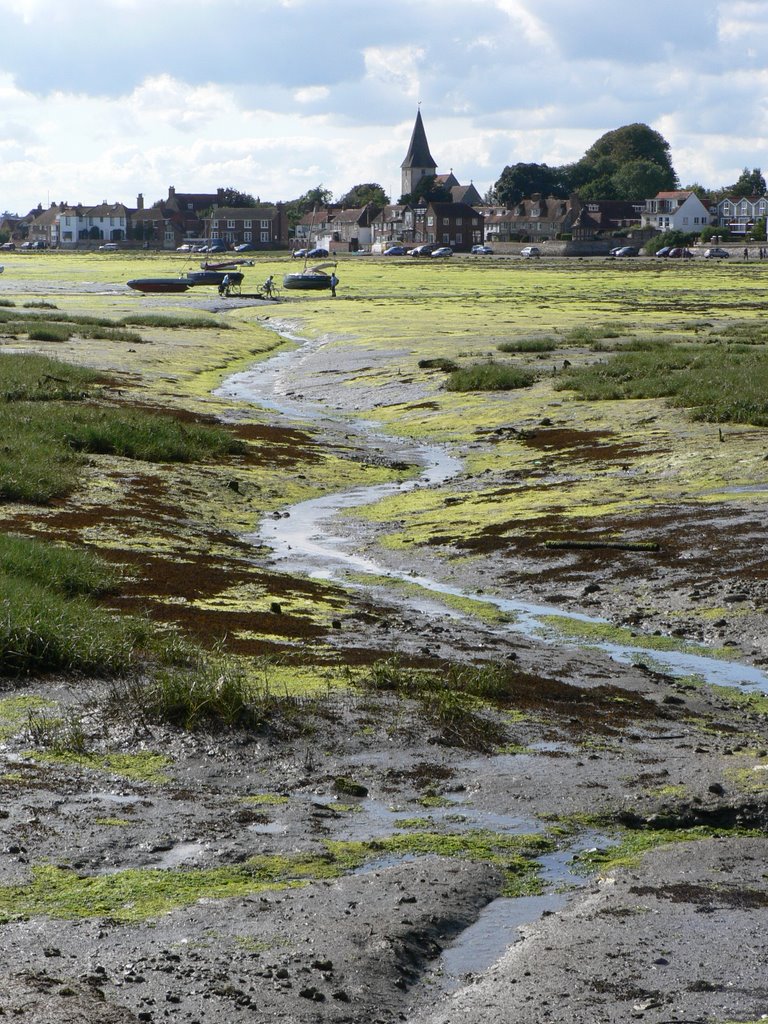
(418, 160)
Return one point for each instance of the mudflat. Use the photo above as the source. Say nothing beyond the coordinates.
(512, 762)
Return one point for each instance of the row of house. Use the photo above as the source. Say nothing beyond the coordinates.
(462, 221)
(167, 224)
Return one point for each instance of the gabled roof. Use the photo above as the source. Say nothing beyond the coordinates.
(466, 194)
(418, 154)
(266, 210)
(454, 210)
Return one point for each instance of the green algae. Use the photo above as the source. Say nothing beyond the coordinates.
(140, 894)
(605, 632)
(265, 799)
(112, 822)
(144, 766)
(633, 844)
(15, 713)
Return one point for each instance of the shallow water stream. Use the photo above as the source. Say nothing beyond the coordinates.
(303, 539)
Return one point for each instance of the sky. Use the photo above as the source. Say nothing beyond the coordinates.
(105, 99)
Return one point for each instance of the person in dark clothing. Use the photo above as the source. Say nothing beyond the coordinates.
(334, 282)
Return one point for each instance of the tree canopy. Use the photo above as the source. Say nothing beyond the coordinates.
(361, 195)
(521, 180)
(750, 183)
(235, 198)
(312, 198)
(427, 189)
(628, 163)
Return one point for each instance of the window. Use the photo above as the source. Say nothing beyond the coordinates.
(230, 224)
(248, 224)
(247, 235)
(446, 221)
(265, 225)
(265, 236)
(458, 238)
(430, 221)
(458, 221)
(446, 238)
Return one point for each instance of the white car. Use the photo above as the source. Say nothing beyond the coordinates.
(108, 247)
(444, 250)
(530, 252)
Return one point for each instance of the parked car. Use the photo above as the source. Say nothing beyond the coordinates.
(665, 250)
(395, 250)
(314, 254)
(217, 246)
(108, 247)
(8, 245)
(530, 252)
(299, 254)
(482, 250)
(625, 250)
(35, 243)
(424, 250)
(185, 247)
(716, 254)
(679, 253)
(444, 250)
(245, 247)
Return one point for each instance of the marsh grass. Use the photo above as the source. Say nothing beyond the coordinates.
(34, 378)
(42, 630)
(135, 434)
(715, 382)
(529, 345)
(490, 376)
(45, 412)
(200, 691)
(63, 569)
(455, 700)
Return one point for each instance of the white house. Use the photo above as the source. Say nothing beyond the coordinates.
(105, 222)
(675, 211)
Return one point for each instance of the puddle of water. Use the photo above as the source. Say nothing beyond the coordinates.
(498, 926)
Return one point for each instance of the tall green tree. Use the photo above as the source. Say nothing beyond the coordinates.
(520, 180)
(361, 195)
(233, 197)
(639, 179)
(750, 183)
(427, 189)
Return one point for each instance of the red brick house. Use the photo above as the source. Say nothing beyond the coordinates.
(264, 226)
(454, 224)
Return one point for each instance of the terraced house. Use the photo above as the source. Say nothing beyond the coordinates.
(738, 214)
(264, 226)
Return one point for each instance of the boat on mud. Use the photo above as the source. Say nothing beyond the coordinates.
(312, 279)
(159, 284)
(216, 277)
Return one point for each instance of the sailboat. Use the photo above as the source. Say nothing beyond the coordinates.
(314, 278)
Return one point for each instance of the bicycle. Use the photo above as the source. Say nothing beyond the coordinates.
(270, 290)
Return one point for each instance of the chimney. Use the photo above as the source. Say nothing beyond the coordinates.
(140, 201)
(171, 191)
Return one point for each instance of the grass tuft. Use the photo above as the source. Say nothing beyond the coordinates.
(490, 376)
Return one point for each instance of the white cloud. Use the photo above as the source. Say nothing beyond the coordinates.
(312, 94)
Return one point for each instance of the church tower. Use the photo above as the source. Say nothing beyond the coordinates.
(418, 162)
